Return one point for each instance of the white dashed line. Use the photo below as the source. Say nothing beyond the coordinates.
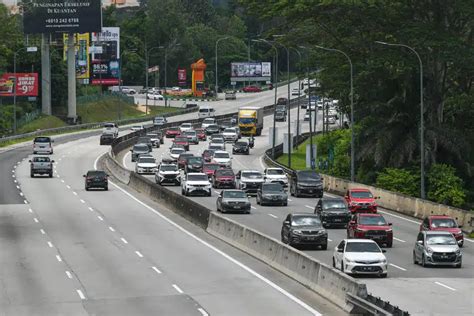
(253, 207)
(42, 232)
(62, 180)
(399, 217)
(111, 229)
(310, 207)
(36, 220)
(74, 192)
(91, 209)
(467, 239)
(58, 257)
(30, 210)
(216, 192)
(57, 176)
(81, 295)
(25, 201)
(156, 270)
(203, 312)
(67, 186)
(290, 200)
(69, 275)
(271, 215)
(124, 240)
(398, 267)
(398, 239)
(139, 254)
(13, 176)
(21, 193)
(15, 181)
(100, 218)
(18, 187)
(445, 286)
(82, 201)
(178, 289)
(50, 244)
(13, 171)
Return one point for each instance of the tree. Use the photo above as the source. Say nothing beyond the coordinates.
(444, 186)
(399, 180)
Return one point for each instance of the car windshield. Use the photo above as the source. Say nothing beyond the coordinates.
(177, 150)
(246, 120)
(41, 159)
(240, 144)
(186, 125)
(309, 176)
(273, 187)
(197, 177)
(42, 140)
(140, 147)
(211, 166)
(229, 130)
(221, 155)
(234, 194)
(252, 175)
(306, 221)
(180, 139)
(190, 133)
(440, 240)
(186, 155)
(195, 160)
(443, 223)
(333, 204)
(169, 168)
(109, 125)
(208, 121)
(362, 247)
(361, 194)
(146, 160)
(217, 141)
(143, 140)
(224, 172)
(215, 146)
(95, 174)
(373, 220)
(207, 152)
(152, 135)
(213, 126)
(275, 172)
(173, 129)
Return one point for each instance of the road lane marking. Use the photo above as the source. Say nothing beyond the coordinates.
(58, 257)
(111, 229)
(36, 220)
(18, 187)
(25, 201)
(67, 186)
(178, 289)
(42, 232)
(310, 207)
(91, 209)
(50, 244)
(124, 240)
(444, 285)
(74, 192)
(290, 200)
(156, 270)
(398, 267)
(124, 162)
(262, 164)
(57, 176)
(271, 215)
(139, 254)
(203, 312)
(82, 201)
(81, 295)
(398, 239)
(253, 207)
(21, 193)
(216, 192)
(69, 275)
(470, 240)
(62, 180)
(15, 181)
(399, 217)
(30, 210)
(100, 218)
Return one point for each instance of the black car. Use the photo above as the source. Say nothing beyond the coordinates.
(304, 229)
(106, 139)
(194, 164)
(333, 212)
(96, 179)
(145, 140)
(212, 129)
(280, 116)
(241, 147)
(272, 194)
(306, 182)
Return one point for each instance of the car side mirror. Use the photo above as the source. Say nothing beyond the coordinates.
(29, 160)
(389, 224)
(420, 242)
(340, 250)
(384, 251)
(52, 161)
(84, 175)
(287, 223)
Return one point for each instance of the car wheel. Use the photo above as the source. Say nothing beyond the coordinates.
(461, 244)
(106, 188)
(32, 174)
(210, 193)
(258, 201)
(87, 188)
(182, 191)
(383, 275)
(390, 244)
(51, 174)
(459, 265)
(324, 247)
(292, 193)
(414, 258)
(285, 203)
(423, 261)
(296, 193)
(283, 238)
(342, 265)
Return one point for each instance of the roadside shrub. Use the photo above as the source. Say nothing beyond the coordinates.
(399, 180)
(444, 186)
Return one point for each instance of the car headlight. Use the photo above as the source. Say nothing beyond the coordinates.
(297, 232)
(458, 252)
(429, 250)
(349, 260)
(384, 261)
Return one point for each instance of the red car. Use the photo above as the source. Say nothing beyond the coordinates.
(201, 134)
(183, 141)
(371, 226)
(207, 155)
(223, 178)
(210, 168)
(172, 132)
(443, 223)
(252, 89)
(360, 201)
(182, 159)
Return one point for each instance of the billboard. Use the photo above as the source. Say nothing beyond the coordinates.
(50, 16)
(81, 43)
(105, 54)
(255, 71)
(181, 76)
(27, 84)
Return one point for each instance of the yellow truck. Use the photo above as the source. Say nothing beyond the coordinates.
(251, 120)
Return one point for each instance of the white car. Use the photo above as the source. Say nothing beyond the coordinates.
(360, 256)
(175, 152)
(275, 175)
(128, 90)
(137, 128)
(146, 165)
(230, 134)
(217, 143)
(208, 121)
(110, 129)
(154, 96)
(185, 127)
(196, 183)
(296, 92)
(155, 140)
(168, 173)
(223, 158)
(249, 180)
(330, 120)
(176, 89)
(320, 104)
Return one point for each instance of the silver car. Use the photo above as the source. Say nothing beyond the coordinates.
(437, 248)
(233, 201)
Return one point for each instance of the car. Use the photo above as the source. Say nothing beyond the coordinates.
(252, 89)
(437, 248)
(223, 178)
(159, 121)
(215, 147)
(233, 120)
(249, 180)
(208, 121)
(182, 160)
(280, 116)
(230, 134)
(307, 116)
(306, 182)
(160, 135)
(136, 128)
(206, 111)
(175, 152)
(110, 128)
(207, 155)
(139, 149)
(185, 127)
(128, 90)
(303, 229)
(272, 194)
(168, 174)
(331, 120)
(155, 139)
(145, 140)
(275, 175)
(175, 89)
(196, 183)
(210, 168)
(217, 142)
(230, 95)
(172, 132)
(371, 226)
(183, 141)
(212, 129)
(201, 134)
(43, 144)
(194, 164)
(360, 257)
(223, 158)
(224, 125)
(96, 179)
(41, 165)
(146, 165)
(106, 139)
(295, 92)
(361, 201)
(319, 104)
(233, 201)
(282, 101)
(333, 212)
(216, 136)
(443, 223)
(154, 96)
(192, 136)
(241, 147)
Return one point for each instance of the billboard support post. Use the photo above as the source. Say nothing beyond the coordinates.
(71, 78)
(216, 75)
(45, 75)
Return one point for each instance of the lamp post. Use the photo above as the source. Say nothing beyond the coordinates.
(147, 61)
(299, 97)
(166, 68)
(352, 107)
(120, 76)
(276, 90)
(311, 157)
(217, 42)
(422, 120)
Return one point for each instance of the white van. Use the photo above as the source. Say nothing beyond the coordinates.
(206, 111)
(43, 145)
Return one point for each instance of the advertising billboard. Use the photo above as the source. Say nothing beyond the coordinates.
(81, 43)
(254, 71)
(50, 16)
(27, 84)
(181, 76)
(105, 63)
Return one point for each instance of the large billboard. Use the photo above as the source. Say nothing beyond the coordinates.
(255, 71)
(50, 16)
(27, 84)
(105, 54)
(81, 43)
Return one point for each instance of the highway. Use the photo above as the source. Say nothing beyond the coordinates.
(432, 287)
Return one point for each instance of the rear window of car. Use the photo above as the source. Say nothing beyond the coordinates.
(140, 147)
(224, 172)
(109, 125)
(96, 174)
(373, 220)
(42, 140)
(41, 159)
(361, 194)
(181, 139)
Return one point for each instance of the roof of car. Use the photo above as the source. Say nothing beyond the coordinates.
(439, 216)
(436, 232)
(220, 152)
(325, 199)
(369, 215)
(359, 190)
(305, 214)
(197, 174)
(360, 240)
(250, 170)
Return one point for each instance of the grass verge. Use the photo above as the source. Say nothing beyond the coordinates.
(298, 156)
(43, 122)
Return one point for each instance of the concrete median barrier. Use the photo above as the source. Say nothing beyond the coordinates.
(113, 168)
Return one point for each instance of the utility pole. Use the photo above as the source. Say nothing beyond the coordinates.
(71, 82)
(45, 75)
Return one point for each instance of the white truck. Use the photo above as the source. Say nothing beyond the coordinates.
(111, 129)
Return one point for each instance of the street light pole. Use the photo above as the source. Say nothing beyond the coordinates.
(217, 42)
(147, 65)
(299, 97)
(311, 156)
(352, 107)
(119, 110)
(422, 119)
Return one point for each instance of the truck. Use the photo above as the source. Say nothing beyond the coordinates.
(250, 121)
(41, 165)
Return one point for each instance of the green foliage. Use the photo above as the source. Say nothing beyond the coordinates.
(43, 122)
(444, 186)
(399, 180)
